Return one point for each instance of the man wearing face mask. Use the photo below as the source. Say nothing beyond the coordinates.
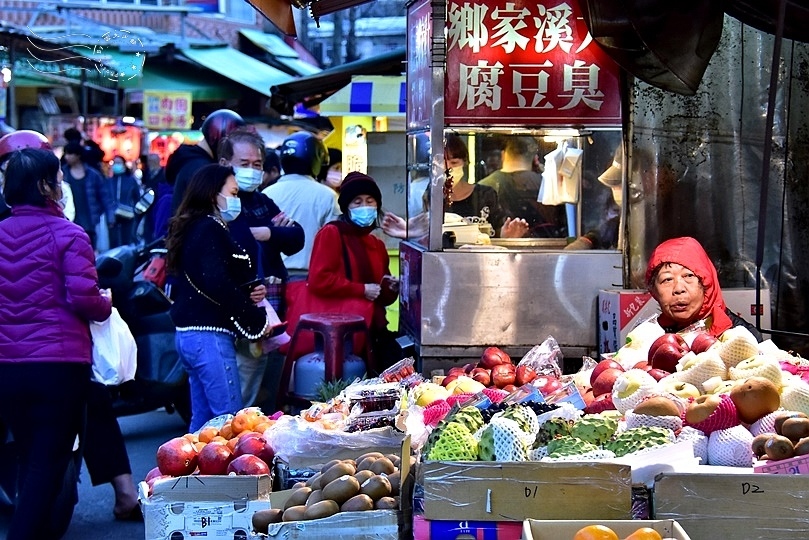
(265, 232)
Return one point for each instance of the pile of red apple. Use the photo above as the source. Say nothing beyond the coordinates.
(664, 354)
(496, 370)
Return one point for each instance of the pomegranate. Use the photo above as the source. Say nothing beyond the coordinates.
(177, 457)
(493, 356)
(504, 375)
(248, 464)
(214, 458)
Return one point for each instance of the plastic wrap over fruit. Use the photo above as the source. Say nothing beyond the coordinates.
(545, 358)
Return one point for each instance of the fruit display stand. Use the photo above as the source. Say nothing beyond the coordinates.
(733, 502)
(533, 529)
(203, 506)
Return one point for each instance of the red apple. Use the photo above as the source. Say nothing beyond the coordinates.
(457, 370)
(214, 458)
(267, 454)
(504, 374)
(493, 356)
(600, 404)
(249, 445)
(644, 365)
(482, 375)
(154, 473)
(702, 342)
(248, 464)
(587, 396)
(605, 381)
(547, 384)
(658, 374)
(155, 479)
(666, 351)
(467, 368)
(177, 457)
(509, 388)
(525, 374)
(604, 365)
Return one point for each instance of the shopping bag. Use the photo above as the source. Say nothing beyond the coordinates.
(115, 354)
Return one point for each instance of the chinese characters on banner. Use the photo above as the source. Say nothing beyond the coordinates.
(166, 110)
(419, 70)
(526, 62)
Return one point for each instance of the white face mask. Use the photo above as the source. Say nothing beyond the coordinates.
(248, 178)
(456, 173)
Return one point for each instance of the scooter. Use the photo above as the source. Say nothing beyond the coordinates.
(160, 379)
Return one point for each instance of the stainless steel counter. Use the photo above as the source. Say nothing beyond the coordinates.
(456, 302)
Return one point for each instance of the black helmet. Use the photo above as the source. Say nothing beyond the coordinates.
(218, 125)
(303, 153)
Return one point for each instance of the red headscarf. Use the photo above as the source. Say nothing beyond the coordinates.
(689, 253)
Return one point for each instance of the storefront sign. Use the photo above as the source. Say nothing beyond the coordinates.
(526, 62)
(419, 70)
(166, 110)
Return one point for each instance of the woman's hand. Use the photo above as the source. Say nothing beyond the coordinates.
(394, 226)
(262, 234)
(372, 291)
(258, 294)
(514, 228)
(282, 220)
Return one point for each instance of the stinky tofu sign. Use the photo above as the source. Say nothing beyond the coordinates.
(419, 69)
(526, 62)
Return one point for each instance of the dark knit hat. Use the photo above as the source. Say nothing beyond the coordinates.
(356, 184)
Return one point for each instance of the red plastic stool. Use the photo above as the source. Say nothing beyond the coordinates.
(335, 329)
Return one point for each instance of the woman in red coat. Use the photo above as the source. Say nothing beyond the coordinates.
(349, 262)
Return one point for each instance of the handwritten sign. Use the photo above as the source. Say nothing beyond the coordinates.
(167, 110)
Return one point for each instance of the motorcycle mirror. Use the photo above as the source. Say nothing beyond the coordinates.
(145, 202)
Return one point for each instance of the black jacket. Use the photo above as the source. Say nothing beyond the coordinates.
(209, 288)
(181, 166)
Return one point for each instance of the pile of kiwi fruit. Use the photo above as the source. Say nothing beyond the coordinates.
(369, 482)
(791, 438)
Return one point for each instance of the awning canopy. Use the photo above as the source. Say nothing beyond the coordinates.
(314, 89)
(280, 51)
(174, 78)
(369, 95)
(112, 64)
(238, 67)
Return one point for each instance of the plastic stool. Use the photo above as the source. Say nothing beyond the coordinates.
(335, 329)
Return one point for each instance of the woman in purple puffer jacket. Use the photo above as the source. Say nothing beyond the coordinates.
(48, 294)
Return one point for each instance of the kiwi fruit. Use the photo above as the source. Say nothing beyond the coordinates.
(376, 487)
(297, 485)
(369, 454)
(387, 503)
(365, 463)
(779, 447)
(358, 503)
(298, 497)
(322, 509)
(395, 481)
(383, 466)
(795, 429)
(294, 513)
(329, 465)
(781, 418)
(263, 518)
(802, 447)
(363, 475)
(341, 489)
(314, 497)
(758, 444)
(336, 471)
(396, 460)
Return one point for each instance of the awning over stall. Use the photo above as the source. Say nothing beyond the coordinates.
(369, 95)
(280, 51)
(183, 79)
(238, 67)
(314, 89)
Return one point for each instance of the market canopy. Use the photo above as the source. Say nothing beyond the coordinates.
(238, 67)
(173, 78)
(368, 95)
(282, 53)
(314, 89)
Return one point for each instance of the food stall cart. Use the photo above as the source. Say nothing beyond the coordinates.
(490, 71)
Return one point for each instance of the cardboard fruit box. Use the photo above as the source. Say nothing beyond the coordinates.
(444, 529)
(203, 506)
(514, 491)
(734, 505)
(796, 465)
(534, 529)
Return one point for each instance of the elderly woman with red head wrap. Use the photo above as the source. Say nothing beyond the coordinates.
(683, 280)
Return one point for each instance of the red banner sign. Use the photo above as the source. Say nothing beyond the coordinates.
(419, 70)
(526, 63)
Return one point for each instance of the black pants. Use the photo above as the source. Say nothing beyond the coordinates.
(104, 448)
(43, 405)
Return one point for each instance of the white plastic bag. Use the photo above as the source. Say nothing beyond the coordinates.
(115, 354)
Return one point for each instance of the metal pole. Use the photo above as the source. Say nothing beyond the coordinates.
(11, 91)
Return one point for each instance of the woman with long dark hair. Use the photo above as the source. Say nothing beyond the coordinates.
(215, 295)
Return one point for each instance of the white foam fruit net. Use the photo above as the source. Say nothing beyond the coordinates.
(731, 447)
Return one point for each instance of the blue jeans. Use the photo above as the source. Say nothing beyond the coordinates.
(210, 359)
